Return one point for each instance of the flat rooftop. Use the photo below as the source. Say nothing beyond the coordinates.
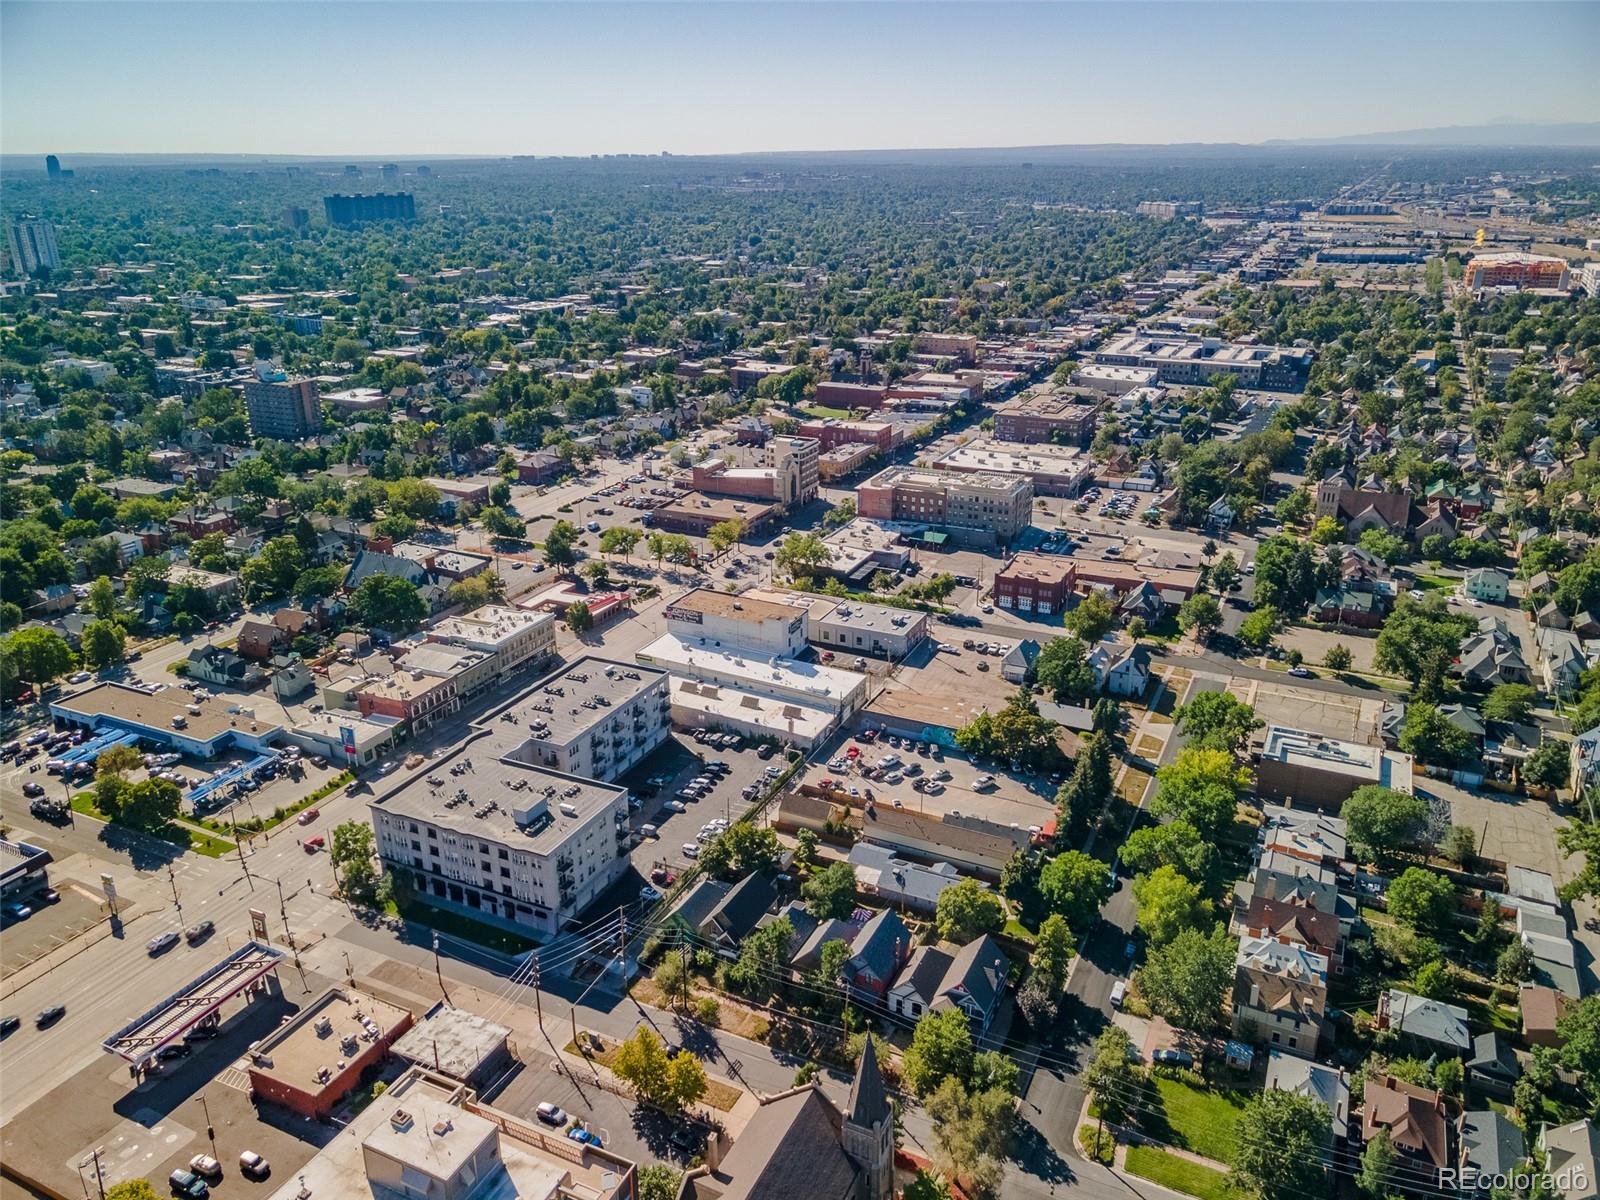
(135, 708)
(712, 603)
(477, 791)
(331, 724)
(1041, 568)
(699, 506)
(947, 691)
(855, 614)
(492, 625)
(305, 1046)
(537, 1165)
(927, 477)
(1011, 458)
(1373, 764)
(453, 1041)
(569, 702)
(691, 656)
(786, 718)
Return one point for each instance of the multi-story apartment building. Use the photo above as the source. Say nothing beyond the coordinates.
(1053, 470)
(382, 206)
(517, 640)
(33, 247)
(1514, 270)
(593, 717)
(1046, 417)
(784, 470)
(980, 508)
(963, 346)
(1193, 360)
(288, 409)
(1168, 209)
(488, 833)
(1280, 995)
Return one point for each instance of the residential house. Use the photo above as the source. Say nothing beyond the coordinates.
(1421, 1127)
(1121, 666)
(733, 917)
(1493, 1067)
(223, 668)
(920, 982)
(1430, 1026)
(877, 954)
(882, 874)
(1435, 520)
(260, 640)
(1541, 1008)
(1297, 925)
(1583, 759)
(1017, 665)
(1489, 584)
(1491, 656)
(1280, 994)
(1328, 1086)
(1346, 606)
(1561, 659)
(975, 982)
(1491, 1146)
(1572, 1155)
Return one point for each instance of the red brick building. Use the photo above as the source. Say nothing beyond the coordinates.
(833, 434)
(1035, 583)
(312, 1063)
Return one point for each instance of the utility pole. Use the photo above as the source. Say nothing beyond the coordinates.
(99, 1179)
(283, 912)
(211, 1130)
(239, 846)
(438, 971)
(176, 902)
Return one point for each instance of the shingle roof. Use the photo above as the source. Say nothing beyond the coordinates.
(869, 1102)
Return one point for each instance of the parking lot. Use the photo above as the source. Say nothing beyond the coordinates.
(673, 765)
(953, 783)
(47, 926)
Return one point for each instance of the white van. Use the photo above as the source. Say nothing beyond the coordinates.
(649, 831)
(1119, 990)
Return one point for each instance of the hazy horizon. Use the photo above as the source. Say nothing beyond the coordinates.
(495, 79)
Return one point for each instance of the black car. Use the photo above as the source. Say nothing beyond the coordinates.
(32, 790)
(49, 1016)
(196, 934)
(175, 1050)
(9, 1025)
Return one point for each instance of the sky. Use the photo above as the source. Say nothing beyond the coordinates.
(380, 77)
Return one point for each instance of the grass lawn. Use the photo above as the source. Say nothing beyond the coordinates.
(822, 411)
(1201, 1121)
(188, 836)
(283, 812)
(466, 928)
(1436, 583)
(1178, 1174)
(719, 1096)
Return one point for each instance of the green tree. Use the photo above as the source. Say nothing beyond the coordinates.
(726, 534)
(1176, 844)
(1391, 549)
(1169, 903)
(763, 960)
(657, 1182)
(924, 1186)
(743, 849)
(560, 544)
(802, 554)
(1260, 627)
(415, 499)
(1053, 952)
(502, 522)
(1113, 1076)
(831, 892)
(1200, 786)
(619, 540)
(1200, 614)
(273, 572)
(1377, 1170)
(972, 1130)
(941, 1047)
(579, 617)
(641, 1062)
(132, 1189)
(1218, 721)
(1282, 1140)
(39, 655)
(1509, 702)
(1185, 980)
(1075, 885)
(1092, 617)
(685, 1083)
(104, 643)
(1422, 899)
(318, 583)
(351, 848)
(1431, 736)
(1338, 658)
(102, 599)
(1549, 766)
(1419, 642)
(150, 804)
(1381, 820)
(1085, 791)
(388, 602)
(966, 910)
(1062, 670)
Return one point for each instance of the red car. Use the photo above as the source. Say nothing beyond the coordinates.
(310, 815)
(664, 877)
(312, 845)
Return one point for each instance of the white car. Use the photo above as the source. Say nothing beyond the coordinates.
(983, 783)
(675, 806)
(691, 850)
(79, 677)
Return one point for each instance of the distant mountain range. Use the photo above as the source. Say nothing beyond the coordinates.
(1495, 133)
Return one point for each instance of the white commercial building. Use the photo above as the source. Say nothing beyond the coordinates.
(515, 638)
(736, 622)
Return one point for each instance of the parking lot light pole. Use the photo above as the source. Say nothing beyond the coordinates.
(211, 1130)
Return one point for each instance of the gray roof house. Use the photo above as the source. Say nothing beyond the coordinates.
(1490, 1143)
(1493, 1066)
(1328, 1086)
(894, 880)
(877, 953)
(1430, 1023)
(976, 981)
(918, 986)
(1573, 1151)
(733, 917)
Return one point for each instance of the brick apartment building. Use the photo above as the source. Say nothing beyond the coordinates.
(1046, 417)
(978, 508)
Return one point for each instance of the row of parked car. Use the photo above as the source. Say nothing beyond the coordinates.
(205, 1172)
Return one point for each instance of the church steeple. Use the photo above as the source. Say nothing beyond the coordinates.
(869, 1128)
